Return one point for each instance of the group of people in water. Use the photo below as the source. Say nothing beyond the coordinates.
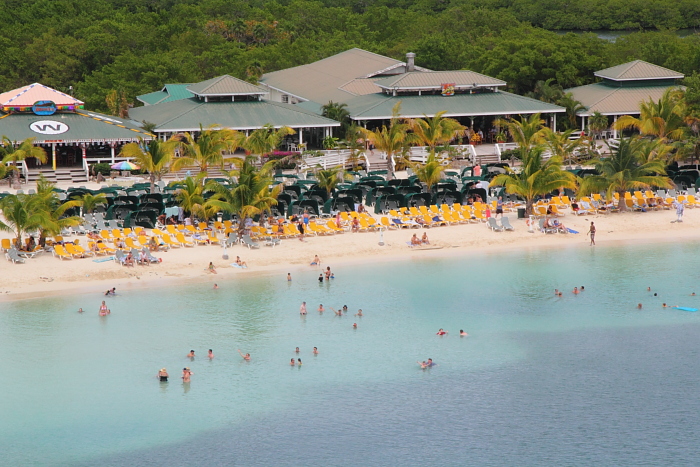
(187, 372)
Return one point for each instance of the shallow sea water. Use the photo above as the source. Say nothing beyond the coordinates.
(541, 380)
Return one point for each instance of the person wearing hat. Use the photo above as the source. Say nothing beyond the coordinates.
(163, 375)
(186, 374)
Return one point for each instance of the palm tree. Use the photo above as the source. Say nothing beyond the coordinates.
(154, 157)
(625, 170)
(437, 130)
(89, 202)
(393, 139)
(21, 217)
(328, 179)
(572, 106)
(250, 195)
(537, 177)
(266, 139)
(598, 123)
(561, 144)
(207, 149)
(429, 173)
(24, 150)
(45, 200)
(546, 91)
(662, 119)
(338, 112)
(526, 132)
(189, 196)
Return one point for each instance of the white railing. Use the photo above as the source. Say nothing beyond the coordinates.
(99, 160)
(502, 147)
(25, 170)
(332, 158)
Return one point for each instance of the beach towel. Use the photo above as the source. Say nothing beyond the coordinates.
(571, 231)
(102, 260)
(234, 265)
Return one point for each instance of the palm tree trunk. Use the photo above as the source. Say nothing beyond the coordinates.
(621, 204)
(153, 182)
(528, 207)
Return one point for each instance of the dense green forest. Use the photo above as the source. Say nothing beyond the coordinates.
(136, 46)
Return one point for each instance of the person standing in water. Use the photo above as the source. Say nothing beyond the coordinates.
(211, 354)
(320, 278)
(591, 232)
(302, 308)
(289, 277)
(163, 375)
(298, 361)
(191, 355)
(186, 375)
(103, 308)
(246, 357)
(321, 309)
(291, 362)
(315, 351)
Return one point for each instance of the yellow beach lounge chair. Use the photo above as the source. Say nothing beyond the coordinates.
(60, 252)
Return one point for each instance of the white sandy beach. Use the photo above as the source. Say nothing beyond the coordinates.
(45, 275)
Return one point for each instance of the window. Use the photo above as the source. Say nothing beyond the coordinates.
(285, 99)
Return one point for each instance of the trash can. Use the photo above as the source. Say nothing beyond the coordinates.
(521, 213)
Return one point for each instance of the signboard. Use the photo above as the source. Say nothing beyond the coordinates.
(48, 127)
(44, 108)
(448, 89)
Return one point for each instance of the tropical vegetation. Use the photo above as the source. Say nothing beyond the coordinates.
(153, 157)
(206, 149)
(627, 168)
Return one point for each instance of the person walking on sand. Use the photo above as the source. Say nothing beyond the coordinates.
(591, 233)
(679, 211)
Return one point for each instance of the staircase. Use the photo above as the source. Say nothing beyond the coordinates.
(70, 175)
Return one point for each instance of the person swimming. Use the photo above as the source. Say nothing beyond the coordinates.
(359, 312)
(186, 375)
(211, 354)
(423, 364)
(345, 308)
(441, 332)
(315, 351)
(354, 325)
(191, 354)
(289, 277)
(462, 333)
(80, 310)
(291, 362)
(575, 291)
(639, 306)
(337, 312)
(431, 363)
(216, 286)
(163, 375)
(321, 309)
(298, 361)
(297, 350)
(556, 291)
(246, 357)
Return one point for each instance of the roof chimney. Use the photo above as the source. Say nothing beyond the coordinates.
(410, 62)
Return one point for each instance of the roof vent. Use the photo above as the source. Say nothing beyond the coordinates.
(410, 62)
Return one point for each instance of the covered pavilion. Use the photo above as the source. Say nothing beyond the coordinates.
(622, 89)
(71, 136)
(228, 102)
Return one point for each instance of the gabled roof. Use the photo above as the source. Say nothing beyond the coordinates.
(360, 87)
(70, 127)
(612, 100)
(189, 114)
(637, 70)
(321, 81)
(28, 95)
(225, 85)
(170, 92)
(379, 106)
(462, 79)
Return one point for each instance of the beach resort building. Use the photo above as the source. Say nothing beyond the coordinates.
(622, 89)
(71, 136)
(371, 85)
(227, 102)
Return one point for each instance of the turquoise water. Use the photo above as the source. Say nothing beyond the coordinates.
(540, 380)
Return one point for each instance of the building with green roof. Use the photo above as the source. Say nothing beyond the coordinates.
(227, 102)
(623, 88)
(70, 135)
(370, 85)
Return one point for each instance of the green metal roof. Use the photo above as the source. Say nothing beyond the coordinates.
(379, 106)
(79, 127)
(170, 92)
(435, 80)
(637, 70)
(615, 100)
(189, 114)
(224, 85)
